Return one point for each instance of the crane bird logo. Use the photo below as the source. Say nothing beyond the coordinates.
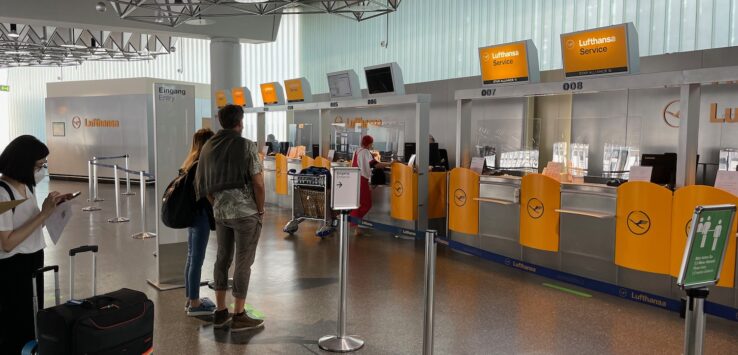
(639, 223)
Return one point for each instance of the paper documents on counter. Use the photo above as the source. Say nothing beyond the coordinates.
(58, 220)
(9, 205)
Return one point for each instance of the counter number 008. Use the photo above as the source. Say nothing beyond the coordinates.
(578, 85)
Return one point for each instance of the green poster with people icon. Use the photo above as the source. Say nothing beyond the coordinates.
(708, 240)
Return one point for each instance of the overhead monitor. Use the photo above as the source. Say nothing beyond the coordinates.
(222, 98)
(600, 51)
(344, 85)
(384, 79)
(272, 94)
(242, 97)
(509, 63)
(298, 90)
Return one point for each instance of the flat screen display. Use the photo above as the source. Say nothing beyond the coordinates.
(379, 80)
(340, 85)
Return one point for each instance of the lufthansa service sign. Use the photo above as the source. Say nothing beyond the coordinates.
(600, 51)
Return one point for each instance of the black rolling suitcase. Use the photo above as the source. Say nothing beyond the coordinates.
(120, 322)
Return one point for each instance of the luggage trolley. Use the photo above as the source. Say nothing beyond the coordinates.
(311, 200)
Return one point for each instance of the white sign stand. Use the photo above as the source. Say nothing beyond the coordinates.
(344, 198)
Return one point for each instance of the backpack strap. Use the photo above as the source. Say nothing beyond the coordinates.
(5, 186)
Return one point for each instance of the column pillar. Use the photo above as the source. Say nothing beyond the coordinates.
(225, 69)
(689, 132)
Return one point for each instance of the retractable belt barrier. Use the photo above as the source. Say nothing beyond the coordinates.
(92, 168)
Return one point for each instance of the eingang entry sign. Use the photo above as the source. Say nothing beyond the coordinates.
(345, 188)
(706, 245)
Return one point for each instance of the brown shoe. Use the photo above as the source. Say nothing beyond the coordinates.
(221, 318)
(242, 322)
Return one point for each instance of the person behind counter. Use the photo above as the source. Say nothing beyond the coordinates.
(22, 242)
(365, 161)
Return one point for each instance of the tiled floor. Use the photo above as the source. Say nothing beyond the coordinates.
(482, 308)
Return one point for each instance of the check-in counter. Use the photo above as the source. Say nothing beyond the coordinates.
(587, 231)
(499, 215)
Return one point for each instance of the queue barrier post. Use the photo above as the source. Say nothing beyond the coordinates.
(95, 178)
(116, 181)
(143, 234)
(694, 330)
(90, 190)
(430, 281)
(341, 342)
(128, 178)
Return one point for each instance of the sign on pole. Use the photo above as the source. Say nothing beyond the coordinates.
(345, 189)
(5, 88)
(706, 245)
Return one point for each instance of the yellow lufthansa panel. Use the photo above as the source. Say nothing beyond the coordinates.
(540, 197)
(404, 198)
(643, 232)
(437, 194)
(281, 163)
(306, 162)
(463, 206)
(322, 163)
(221, 99)
(685, 201)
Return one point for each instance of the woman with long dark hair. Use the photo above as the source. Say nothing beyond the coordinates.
(22, 165)
(199, 233)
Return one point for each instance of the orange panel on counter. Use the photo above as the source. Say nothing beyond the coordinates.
(437, 194)
(685, 201)
(540, 197)
(643, 229)
(322, 163)
(404, 198)
(307, 162)
(463, 208)
(281, 166)
(221, 99)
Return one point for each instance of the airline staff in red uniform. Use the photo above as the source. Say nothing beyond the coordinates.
(365, 161)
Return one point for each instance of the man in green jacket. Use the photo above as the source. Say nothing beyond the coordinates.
(230, 176)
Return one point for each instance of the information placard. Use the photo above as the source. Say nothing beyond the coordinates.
(242, 97)
(600, 51)
(706, 245)
(271, 93)
(640, 173)
(345, 189)
(509, 63)
(221, 98)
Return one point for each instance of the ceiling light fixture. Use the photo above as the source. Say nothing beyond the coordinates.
(13, 31)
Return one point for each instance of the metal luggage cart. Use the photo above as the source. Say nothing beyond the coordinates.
(311, 201)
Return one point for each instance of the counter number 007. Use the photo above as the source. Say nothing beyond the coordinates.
(489, 92)
(578, 85)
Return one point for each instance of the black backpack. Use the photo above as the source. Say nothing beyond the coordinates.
(179, 203)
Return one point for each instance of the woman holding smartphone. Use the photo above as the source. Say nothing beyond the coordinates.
(22, 165)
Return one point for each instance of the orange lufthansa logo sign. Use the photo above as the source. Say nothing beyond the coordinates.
(594, 52)
(504, 63)
(76, 122)
(671, 113)
(94, 123)
(460, 197)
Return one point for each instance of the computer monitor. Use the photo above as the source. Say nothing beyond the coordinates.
(409, 151)
(284, 147)
(664, 167)
(344, 85)
(434, 155)
(384, 79)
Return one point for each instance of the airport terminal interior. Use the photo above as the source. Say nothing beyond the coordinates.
(368, 176)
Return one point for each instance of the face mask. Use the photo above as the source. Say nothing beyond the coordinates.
(39, 175)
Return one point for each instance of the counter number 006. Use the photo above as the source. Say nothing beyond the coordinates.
(573, 86)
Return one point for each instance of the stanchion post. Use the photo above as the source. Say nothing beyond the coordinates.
(128, 179)
(142, 191)
(430, 281)
(94, 178)
(342, 342)
(116, 181)
(90, 190)
(694, 331)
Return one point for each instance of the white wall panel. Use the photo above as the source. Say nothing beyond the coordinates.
(438, 39)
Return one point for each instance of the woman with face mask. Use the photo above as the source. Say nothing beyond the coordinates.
(22, 165)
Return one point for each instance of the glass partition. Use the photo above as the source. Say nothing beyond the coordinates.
(389, 139)
(301, 135)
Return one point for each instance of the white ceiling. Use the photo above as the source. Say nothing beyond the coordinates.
(82, 14)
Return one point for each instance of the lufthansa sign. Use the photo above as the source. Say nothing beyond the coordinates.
(509, 63)
(94, 123)
(606, 50)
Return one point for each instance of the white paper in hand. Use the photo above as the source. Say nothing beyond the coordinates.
(58, 220)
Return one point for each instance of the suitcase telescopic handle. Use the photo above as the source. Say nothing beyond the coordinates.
(37, 293)
(72, 254)
(83, 249)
